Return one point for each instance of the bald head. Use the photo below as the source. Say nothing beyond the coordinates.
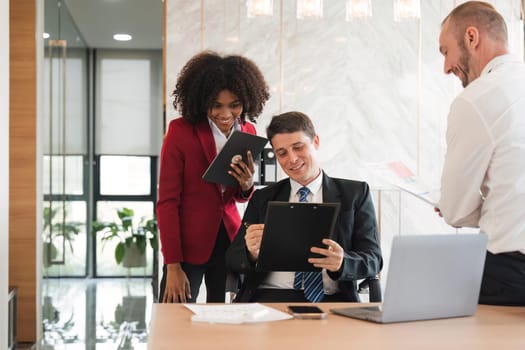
(472, 35)
(477, 14)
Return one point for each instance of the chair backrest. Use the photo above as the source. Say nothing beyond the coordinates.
(372, 287)
(233, 283)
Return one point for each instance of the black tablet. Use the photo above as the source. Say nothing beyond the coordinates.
(290, 230)
(236, 146)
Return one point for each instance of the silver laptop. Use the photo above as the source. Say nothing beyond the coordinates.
(430, 276)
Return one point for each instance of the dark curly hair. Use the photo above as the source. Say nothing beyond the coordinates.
(208, 73)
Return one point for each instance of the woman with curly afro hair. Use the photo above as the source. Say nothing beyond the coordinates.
(215, 95)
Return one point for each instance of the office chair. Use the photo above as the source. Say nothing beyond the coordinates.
(370, 286)
(233, 283)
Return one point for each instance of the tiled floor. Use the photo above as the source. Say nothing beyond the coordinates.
(96, 314)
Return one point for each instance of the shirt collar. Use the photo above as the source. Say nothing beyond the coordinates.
(217, 132)
(499, 60)
(314, 186)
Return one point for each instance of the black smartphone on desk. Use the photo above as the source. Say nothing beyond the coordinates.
(306, 312)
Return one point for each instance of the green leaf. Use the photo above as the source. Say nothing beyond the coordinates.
(140, 241)
(97, 226)
(120, 250)
(154, 242)
(126, 216)
(52, 251)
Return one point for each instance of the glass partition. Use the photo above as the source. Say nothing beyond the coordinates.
(65, 106)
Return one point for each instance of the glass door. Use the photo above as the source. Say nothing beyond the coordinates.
(65, 144)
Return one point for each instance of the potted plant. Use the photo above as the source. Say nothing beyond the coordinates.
(55, 228)
(130, 250)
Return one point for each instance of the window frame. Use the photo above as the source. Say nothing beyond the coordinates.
(98, 197)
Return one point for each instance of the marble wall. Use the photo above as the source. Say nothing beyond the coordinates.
(374, 87)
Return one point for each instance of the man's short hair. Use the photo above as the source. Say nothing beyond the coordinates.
(481, 15)
(290, 122)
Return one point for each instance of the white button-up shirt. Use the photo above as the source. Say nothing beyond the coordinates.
(219, 137)
(483, 180)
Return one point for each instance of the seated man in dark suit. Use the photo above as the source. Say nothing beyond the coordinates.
(354, 252)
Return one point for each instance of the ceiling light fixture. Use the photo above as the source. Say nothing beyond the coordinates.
(358, 9)
(406, 9)
(258, 8)
(45, 35)
(309, 9)
(122, 37)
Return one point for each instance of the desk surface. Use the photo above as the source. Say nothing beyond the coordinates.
(493, 327)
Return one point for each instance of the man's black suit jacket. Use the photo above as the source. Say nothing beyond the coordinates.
(355, 231)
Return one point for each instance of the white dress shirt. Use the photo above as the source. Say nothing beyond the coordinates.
(219, 137)
(483, 180)
(285, 279)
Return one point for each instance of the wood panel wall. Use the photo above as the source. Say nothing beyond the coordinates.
(22, 167)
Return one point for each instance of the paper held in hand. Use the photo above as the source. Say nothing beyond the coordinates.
(416, 189)
(399, 175)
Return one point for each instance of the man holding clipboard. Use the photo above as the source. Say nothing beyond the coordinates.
(351, 253)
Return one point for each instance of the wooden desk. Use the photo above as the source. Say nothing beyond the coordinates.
(493, 327)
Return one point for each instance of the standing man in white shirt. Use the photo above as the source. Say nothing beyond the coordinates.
(483, 180)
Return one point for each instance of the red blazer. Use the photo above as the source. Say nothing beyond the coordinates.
(189, 209)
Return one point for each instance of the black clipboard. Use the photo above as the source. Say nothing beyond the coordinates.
(290, 230)
(236, 145)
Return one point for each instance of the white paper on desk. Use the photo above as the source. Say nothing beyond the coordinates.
(235, 313)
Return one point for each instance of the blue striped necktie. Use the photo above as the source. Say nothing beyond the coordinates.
(312, 282)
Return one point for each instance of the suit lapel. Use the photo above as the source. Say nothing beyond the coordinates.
(283, 194)
(279, 192)
(331, 193)
(206, 140)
